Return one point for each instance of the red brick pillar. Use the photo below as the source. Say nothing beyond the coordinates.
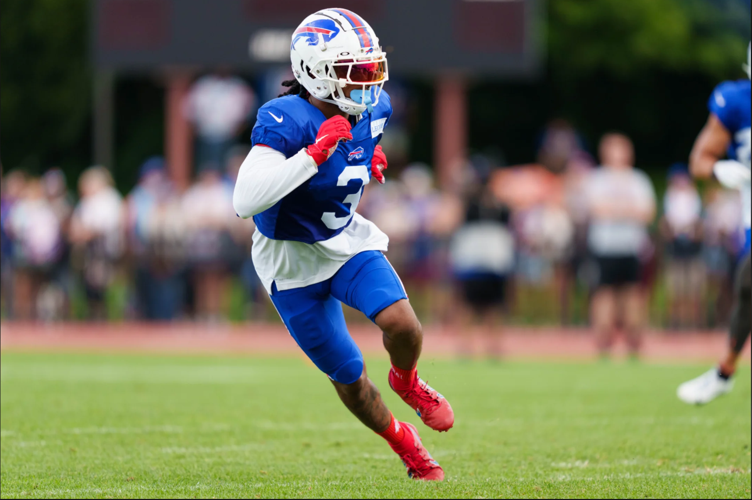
(178, 133)
(450, 127)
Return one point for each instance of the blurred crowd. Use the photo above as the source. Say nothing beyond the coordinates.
(172, 252)
(576, 237)
(571, 238)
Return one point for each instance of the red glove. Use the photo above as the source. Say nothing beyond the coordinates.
(333, 130)
(378, 164)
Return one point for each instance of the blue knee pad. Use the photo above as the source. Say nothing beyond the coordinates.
(349, 372)
(368, 283)
(314, 319)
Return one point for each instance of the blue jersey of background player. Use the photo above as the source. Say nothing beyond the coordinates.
(314, 150)
(731, 104)
(727, 133)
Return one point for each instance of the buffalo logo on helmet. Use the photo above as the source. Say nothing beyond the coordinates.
(310, 32)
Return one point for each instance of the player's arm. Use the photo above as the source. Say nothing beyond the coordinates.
(710, 146)
(267, 175)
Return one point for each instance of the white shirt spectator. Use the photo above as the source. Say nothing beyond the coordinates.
(723, 215)
(36, 228)
(208, 205)
(682, 207)
(102, 215)
(218, 105)
(618, 189)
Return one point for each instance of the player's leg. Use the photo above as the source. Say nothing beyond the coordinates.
(741, 317)
(632, 302)
(463, 320)
(368, 283)
(315, 320)
(602, 316)
(718, 381)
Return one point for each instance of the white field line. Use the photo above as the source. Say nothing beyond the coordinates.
(308, 426)
(175, 429)
(81, 492)
(646, 475)
(167, 429)
(582, 464)
(601, 420)
(137, 374)
(217, 449)
(435, 454)
(32, 444)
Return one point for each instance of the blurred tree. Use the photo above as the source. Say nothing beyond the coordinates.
(625, 38)
(645, 67)
(46, 84)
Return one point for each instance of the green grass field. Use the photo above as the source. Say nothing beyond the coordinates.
(173, 426)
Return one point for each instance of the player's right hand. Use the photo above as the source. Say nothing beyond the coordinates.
(731, 173)
(333, 130)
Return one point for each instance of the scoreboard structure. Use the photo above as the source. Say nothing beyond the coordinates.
(421, 37)
(449, 41)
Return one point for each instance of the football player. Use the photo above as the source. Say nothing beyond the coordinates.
(313, 151)
(727, 131)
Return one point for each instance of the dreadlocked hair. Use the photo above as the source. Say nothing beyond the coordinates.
(295, 89)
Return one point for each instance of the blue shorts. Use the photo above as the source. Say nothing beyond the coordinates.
(313, 314)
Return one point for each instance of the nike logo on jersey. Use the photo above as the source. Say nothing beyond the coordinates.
(279, 119)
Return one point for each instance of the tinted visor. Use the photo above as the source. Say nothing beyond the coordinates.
(367, 72)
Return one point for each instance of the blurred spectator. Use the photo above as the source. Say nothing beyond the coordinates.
(681, 230)
(55, 299)
(96, 236)
(207, 208)
(37, 246)
(240, 244)
(559, 143)
(396, 137)
(549, 233)
(419, 220)
(576, 174)
(387, 207)
(155, 226)
(421, 270)
(218, 105)
(542, 232)
(721, 246)
(622, 205)
(482, 259)
(13, 185)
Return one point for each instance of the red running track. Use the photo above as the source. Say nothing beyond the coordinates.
(270, 338)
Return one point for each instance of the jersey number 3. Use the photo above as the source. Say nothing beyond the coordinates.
(354, 172)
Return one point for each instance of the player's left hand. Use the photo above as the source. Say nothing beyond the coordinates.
(378, 165)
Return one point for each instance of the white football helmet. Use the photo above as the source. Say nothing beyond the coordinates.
(748, 67)
(333, 49)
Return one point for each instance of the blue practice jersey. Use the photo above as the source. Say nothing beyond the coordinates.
(731, 103)
(324, 205)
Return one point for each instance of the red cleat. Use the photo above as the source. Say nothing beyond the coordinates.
(420, 464)
(432, 408)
